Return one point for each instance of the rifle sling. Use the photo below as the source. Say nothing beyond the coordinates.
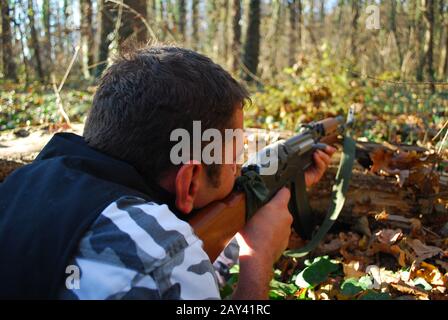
(339, 191)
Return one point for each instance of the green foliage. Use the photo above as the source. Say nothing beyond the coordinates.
(317, 272)
(422, 283)
(351, 287)
(373, 295)
(35, 105)
(227, 290)
(315, 89)
(280, 290)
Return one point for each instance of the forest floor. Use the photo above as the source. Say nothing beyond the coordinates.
(391, 241)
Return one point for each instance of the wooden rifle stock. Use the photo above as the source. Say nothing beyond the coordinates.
(217, 223)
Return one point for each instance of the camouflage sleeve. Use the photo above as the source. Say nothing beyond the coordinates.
(140, 250)
(225, 261)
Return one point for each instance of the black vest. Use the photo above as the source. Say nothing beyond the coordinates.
(47, 206)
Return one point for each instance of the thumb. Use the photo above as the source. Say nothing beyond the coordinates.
(282, 197)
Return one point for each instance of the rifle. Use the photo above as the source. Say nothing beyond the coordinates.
(217, 223)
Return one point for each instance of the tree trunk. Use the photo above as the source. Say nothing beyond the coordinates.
(236, 36)
(275, 37)
(35, 42)
(22, 45)
(86, 37)
(182, 19)
(419, 39)
(162, 19)
(252, 45)
(295, 29)
(312, 13)
(132, 26)
(195, 24)
(67, 14)
(107, 17)
(46, 16)
(445, 68)
(322, 11)
(212, 25)
(224, 30)
(393, 29)
(9, 66)
(429, 6)
(341, 4)
(355, 18)
(152, 12)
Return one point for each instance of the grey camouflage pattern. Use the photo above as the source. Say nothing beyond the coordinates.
(140, 250)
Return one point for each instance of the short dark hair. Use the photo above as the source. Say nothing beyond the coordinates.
(146, 94)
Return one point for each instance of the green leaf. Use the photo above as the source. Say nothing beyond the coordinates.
(365, 282)
(373, 295)
(421, 283)
(351, 287)
(316, 273)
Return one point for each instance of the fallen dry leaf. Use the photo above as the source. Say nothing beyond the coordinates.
(431, 274)
(381, 159)
(389, 236)
(385, 248)
(422, 251)
(407, 289)
(352, 270)
(443, 264)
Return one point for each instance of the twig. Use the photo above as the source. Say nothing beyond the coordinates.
(75, 55)
(398, 83)
(250, 74)
(96, 64)
(440, 131)
(59, 102)
(442, 143)
(57, 90)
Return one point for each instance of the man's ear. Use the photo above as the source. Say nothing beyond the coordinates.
(188, 181)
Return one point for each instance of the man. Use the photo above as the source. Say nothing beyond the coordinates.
(104, 216)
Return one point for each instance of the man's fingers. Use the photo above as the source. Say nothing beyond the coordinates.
(324, 157)
(330, 150)
(282, 196)
(319, 163)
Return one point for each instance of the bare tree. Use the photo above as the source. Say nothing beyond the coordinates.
(354, 33)
(195, 24)
(46, 16)
(393, 28)
(86, 37)
(236, 35)
(107, 15)
(34, 42)
(9, 66)
(182, 23)
(428, 7)
(295, 29)
(445, 67)
(252, 45)
(212, 26)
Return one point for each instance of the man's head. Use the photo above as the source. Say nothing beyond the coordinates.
(147, 94)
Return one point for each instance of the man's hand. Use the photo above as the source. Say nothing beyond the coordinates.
(321, 162)
(262, 241)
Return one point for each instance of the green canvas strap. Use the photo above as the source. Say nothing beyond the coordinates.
(255, 189)
(339, 191)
